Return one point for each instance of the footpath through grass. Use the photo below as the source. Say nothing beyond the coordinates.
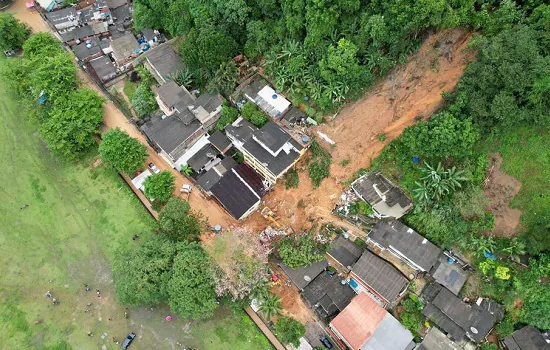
(77, 217)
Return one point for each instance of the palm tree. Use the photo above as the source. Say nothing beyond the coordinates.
(183, 77)
(271, 306)
(186, 169)
(290, 49)
(259, 293)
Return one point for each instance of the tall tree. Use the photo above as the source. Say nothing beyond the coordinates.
(177, 222)
(205, 49)
(13, 33)
(124, 153)
(53, 75)
(72, 123)
(41, 44)
(142, 274)
(191, 287)
(289, 331)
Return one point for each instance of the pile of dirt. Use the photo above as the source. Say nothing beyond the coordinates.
(500, 188)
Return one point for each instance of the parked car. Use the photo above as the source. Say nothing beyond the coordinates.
(154, 168)
(326, 342)
(129, 339)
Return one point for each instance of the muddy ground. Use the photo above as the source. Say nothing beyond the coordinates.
(500, 188)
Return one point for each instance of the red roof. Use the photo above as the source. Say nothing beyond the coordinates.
(358, 321)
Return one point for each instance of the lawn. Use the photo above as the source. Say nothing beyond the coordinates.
(526, 154)
(76, 220)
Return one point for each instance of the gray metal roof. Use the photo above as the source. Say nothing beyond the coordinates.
(113, 4)
(272, 136)
(455, 316)
(396, 236)
(219, 140)
(208, 179)
(380, 275)
(390, 334)
(124, 46)
(526, 338)
(344, 251)
(303, 276)
(241, 130)
(210, 102)
(294, 115)
(331, 286)
(77, 33)
(165, 61)
(169, 132)
(104, 67)
(82, 52)
(437, 340)
(451, 276)
(203, 156)
(61, 16)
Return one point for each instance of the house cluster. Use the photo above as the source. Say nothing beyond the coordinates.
(183, 133)
(100, 34)
(353, 288)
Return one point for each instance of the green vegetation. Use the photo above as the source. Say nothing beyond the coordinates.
(411, 314)
(292, 179)
(191, 286)
(345, 162)
(124, 153)
(160, 187)
(224, 79)
(299, 251)
(183, 78)
(254, 115)
(13, 33)
(130, 89)
(227, 116)
(143, 100)
(360, 207)
(319, 163)
(177, 223)
(289, 331)
(270, 305)
(498, 107)
(46, 77)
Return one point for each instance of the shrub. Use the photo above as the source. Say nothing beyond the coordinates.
(251, 113)
(300, 251)
(289, 331)
(227, 116)
(292, 180)
(319, 164)
(160, 186)
(143, 100)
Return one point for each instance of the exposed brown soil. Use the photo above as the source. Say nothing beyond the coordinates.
(291, 300)
(411, 92)
(500, 189)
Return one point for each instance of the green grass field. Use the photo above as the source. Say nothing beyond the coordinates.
(77, 217)
(526, 156)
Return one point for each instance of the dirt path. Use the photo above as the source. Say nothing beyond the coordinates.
(411, 92)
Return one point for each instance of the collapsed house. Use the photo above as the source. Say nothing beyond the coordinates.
(386, 199)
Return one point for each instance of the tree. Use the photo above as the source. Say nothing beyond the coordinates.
(177, 223)
(41, 44)
(441, 137)
(54, 75)
(191, 287)
(224, 79)
(143, 100)
(289, 331)
(205, 49)
(160, 186)
(270, 306)
(183, 77)
(227, 116)
(142, 274)
(251, 113)
(72, 123)
(124, 153)
(299, 251)
(13, 33)
(437, 183)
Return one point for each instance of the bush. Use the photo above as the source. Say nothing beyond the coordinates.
(122, 152)
(13, 33)
(300, 251)
(319, 164)
(143, 100)
(289, 331)
(160, 186)
(251, 113)
(292, 179)
(177, 223)
(227, 116)
(411, 315)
